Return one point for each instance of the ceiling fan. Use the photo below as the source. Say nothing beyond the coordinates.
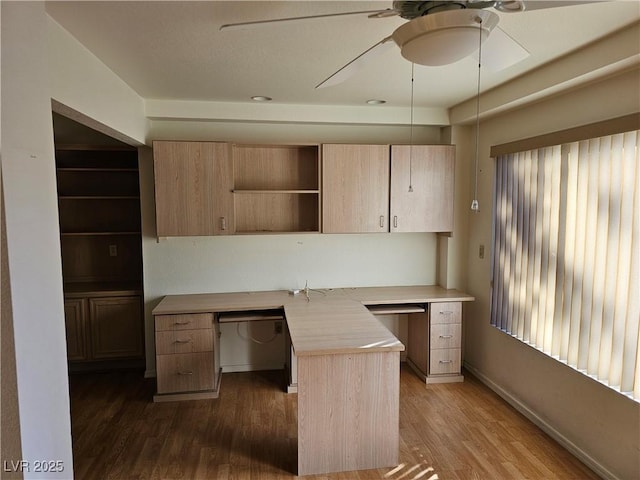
(438, 32)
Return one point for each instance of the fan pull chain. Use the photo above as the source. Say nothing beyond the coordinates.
(411, 134)
(474, 203)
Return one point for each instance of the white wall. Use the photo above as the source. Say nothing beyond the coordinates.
(597, 423)
(28, 175)
(84, 89)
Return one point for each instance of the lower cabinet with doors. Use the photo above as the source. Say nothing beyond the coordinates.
(187, 357)
(103, 331)
(434, 349)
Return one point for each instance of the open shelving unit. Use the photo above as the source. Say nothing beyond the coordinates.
(101, 248)
(276, 188)
(99, 208)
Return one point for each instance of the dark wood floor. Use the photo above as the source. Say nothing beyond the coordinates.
(449, 431)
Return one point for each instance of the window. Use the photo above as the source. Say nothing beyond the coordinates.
(566, 255)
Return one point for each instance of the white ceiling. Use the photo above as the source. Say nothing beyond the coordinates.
(174, 49)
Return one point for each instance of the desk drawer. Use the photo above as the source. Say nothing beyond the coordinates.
(184, 341)
(445, 335)
(187, 372)
(446, 312)
(191, 321)
(444, 361)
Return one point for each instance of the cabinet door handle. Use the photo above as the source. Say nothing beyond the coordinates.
(223, 223)
(183, 323)
(183, 341)
(446, 361)
(447, 312)
(186, 372)
(446, 336)
(381, 221)
(395, 221)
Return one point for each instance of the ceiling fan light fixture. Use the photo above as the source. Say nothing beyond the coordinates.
(510, 6)
(444, 37)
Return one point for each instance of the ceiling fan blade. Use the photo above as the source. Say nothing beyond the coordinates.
(511, 6)
(500, 51)
(373, 14)
(350, 68)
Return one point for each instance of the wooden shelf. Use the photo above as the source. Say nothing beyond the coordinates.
(241, 191)
(277, 189)
(99, 197)
(90, 234)
(85, 169)
(97, 289)
(275, 232)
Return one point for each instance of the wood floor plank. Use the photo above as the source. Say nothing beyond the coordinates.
(447, 431)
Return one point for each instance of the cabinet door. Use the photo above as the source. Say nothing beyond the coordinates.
(193, 187)
(116, 327)
(429, 170)
(355, 188)
(74, 320)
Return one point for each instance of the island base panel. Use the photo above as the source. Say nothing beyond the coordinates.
(348, 412)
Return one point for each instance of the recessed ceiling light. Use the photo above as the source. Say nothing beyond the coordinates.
(261, 98)
(375, 101)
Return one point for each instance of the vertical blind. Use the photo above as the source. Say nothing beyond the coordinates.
(566, 255)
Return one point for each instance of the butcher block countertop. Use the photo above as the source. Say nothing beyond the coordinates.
(332, 321)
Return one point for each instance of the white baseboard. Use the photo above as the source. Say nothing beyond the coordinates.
(583, 456)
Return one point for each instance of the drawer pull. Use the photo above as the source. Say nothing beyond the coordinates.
(446, 312)
(445, 361)
(381, 221)
(183, 323)
(446, 336)
(183, 341)
(186, 372)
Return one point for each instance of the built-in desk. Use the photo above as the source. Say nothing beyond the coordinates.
(348, 365)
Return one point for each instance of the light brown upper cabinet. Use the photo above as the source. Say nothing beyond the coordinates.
(193, 188)
(366, 188)
(276, 188)
(355, 188)
(429, 170)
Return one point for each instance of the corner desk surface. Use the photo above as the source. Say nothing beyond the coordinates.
(333, 320)
(348, 367)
